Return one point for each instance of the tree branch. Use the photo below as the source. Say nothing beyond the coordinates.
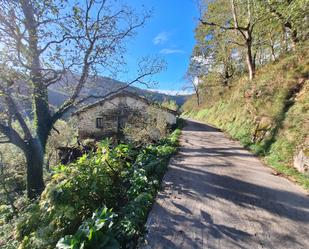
(236, 24)
(5, 142)
(216, 25)
(13, 110)
(13, 136)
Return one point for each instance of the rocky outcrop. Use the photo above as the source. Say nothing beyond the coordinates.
(301, 161)
(262, 128)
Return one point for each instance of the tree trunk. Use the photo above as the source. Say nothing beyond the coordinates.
(294, 38)
(251, 69)
(197, 97)
(261, 59)
(47, 163)
(250, 60)
(35, 160)
(272, 49)
(41, 113)
(273, 54)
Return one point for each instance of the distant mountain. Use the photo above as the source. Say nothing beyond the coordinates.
(161, 96)
(56, 98)
(60, 92)
(101, 86)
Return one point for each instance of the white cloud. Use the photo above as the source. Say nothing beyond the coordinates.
(171, 51)
(172, 92)
(161, 38)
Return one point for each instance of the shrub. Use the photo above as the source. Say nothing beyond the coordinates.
(143, 129)
(95, 232)
(118, 178)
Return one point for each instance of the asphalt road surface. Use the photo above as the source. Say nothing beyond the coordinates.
(216, 194)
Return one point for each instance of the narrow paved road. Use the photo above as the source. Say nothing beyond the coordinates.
(216, 194)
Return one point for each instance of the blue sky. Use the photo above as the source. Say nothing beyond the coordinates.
(169, 33)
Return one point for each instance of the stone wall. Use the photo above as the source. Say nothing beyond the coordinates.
(115, 114)
(301, 161)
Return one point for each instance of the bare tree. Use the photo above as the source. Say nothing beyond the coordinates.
(195, 84)
(193, 76)
(44, 43)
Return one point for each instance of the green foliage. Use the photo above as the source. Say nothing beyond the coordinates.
(139, 183)
(133, 218)
(293, 12)
(95, 232)
(170, 104)
(85, 185)
(13, 175)
(13, 184)
(123, 178)
(237, 37)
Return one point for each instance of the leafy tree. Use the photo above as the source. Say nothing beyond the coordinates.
(216, 49)
(48, 43)
(252, 32)
(292, 15)
(241, 17)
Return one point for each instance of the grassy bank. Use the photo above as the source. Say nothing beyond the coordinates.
(269, 115)
(100, 201)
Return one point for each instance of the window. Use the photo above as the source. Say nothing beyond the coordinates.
(100, 123)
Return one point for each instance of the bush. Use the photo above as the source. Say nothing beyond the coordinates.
(95, 232)
(143, 129)
(124, 179)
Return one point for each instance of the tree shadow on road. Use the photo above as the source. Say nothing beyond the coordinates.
(168, 222)
(218, 231)
(165, 230)
(196, 126)
(216, 152)
(202, 182)
(279, 202)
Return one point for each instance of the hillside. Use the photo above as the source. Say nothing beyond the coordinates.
(269, 115)
(104, 85)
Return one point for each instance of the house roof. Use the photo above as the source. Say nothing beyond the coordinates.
(123, 94)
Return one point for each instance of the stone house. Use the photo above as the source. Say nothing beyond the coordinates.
(108, 117)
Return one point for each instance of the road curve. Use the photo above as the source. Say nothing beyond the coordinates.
(216, 194)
